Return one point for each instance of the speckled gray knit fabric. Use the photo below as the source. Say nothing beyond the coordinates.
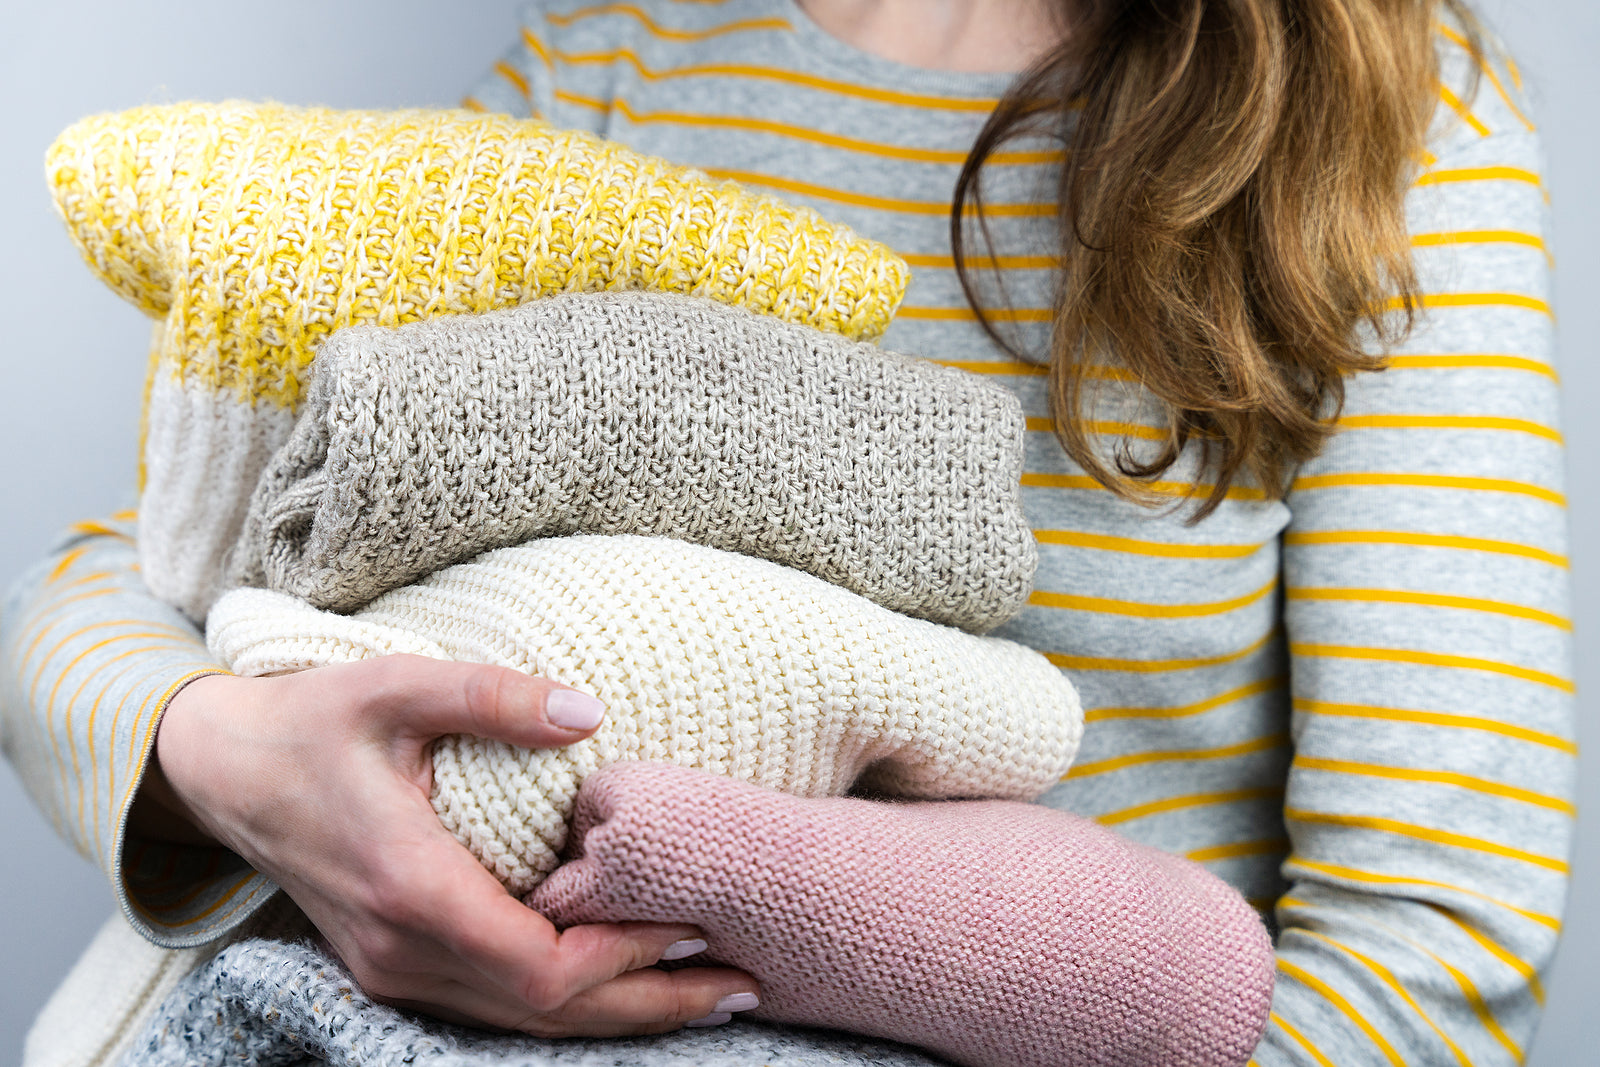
(646, 413)
(290, 1004)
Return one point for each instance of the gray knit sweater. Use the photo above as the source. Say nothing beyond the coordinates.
(646, 413)
(275, 1003)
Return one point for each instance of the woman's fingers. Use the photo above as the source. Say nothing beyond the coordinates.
(472, 951)
(516, 949)
(652, 1001)
(639, 1002)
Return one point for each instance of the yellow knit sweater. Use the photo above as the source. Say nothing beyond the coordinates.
(258, 230)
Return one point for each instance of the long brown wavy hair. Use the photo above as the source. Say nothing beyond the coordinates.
(1231, 217)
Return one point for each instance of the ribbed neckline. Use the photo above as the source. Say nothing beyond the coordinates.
(882, 73)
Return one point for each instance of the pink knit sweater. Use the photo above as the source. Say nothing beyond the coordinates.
(996, 934)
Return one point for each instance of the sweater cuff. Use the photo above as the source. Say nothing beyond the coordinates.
(178, 895)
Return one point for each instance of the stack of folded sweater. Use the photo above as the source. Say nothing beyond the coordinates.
(722, 525)
(770, 548)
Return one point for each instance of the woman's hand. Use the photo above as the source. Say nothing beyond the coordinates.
(320, 780)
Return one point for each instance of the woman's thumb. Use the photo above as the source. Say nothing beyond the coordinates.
(437, 697)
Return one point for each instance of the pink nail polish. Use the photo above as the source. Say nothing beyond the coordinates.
(737, 1002)
(716, 1018)
(573, 710)
(689, 946)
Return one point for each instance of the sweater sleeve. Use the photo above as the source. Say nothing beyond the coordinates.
(89, 660)
(1430, 799)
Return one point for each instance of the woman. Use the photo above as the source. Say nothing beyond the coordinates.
(1389, 728)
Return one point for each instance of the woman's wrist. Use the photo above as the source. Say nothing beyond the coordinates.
(161, 809)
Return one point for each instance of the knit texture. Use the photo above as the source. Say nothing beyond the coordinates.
(291, 1004)
(258, 230)
(647, 413)
(99, 1013)
(1052, 942)
(704, 658)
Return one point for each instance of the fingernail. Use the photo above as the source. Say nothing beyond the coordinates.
(689, 946)
(572, 709)
(716, 1018)
(737, 1002)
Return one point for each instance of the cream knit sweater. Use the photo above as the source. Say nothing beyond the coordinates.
(704, 658)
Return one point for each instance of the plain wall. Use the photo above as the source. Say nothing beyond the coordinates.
(73, 355)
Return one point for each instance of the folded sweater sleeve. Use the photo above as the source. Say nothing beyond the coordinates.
(89, 660)
(1430, 799)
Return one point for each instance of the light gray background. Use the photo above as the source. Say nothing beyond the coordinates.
(72, 355)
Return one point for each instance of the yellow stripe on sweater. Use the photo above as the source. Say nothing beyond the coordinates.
(1416, 657)
(1430, 834)
(1183, 755)
(1284, 1025)
(1431, 600)
(66, 728)
(1428, 481)
(1192, 800)
(144, 747)
(786, 77)
(1480, 1007)
(1420, 540)
(1107, 543)
(1480, 174)
(151, 913)
(1448, 422)
(66, 564)
(1331, 870)
(1083, 481)
(110, 763)
(910, 154)
(1000, 367)
(1477, 360)
(1243, 692)
(1475, 300)
(948, 261)
(1103, 426)
(92, 528)
(51, 608)
(1344, 1007)
(172, 634)
(966, 314)
(876, 203)
(1383, 974)
(1138, 609)
(1450, 34)
(1453, 102)
(1238, 849)
(1468, 237)
(1155, 666)
(1451, 778)
(514, 76)
(1524, 969)
(655, 29)
(1437, 718)
(114, 815)
(1483, 237)
(1469, 991)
